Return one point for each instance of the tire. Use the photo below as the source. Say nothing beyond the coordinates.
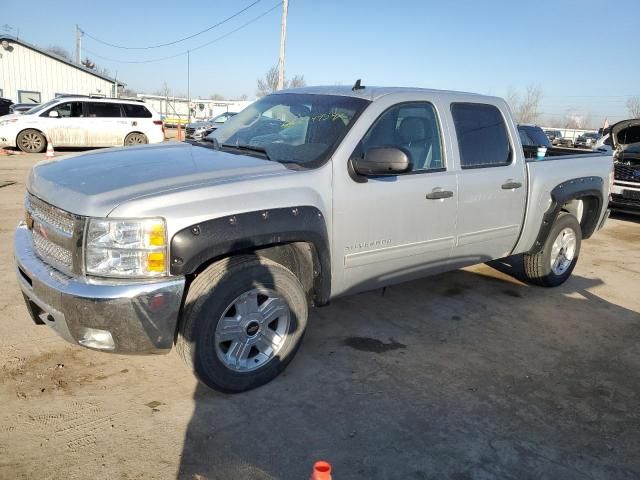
(31, 141)
(539, 268)
(219, 306)
(135, 138)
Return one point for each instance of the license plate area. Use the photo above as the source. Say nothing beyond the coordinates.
(631, 194)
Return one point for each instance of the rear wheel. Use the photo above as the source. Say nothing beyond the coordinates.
(242, 323)
(135, 138)
(553, 265)
(31, 141)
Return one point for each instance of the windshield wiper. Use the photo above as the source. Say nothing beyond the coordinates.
(249, 148)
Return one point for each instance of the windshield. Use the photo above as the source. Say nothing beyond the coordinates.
(39, 108)
(290, 127)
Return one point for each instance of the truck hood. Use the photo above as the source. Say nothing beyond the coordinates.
(95, 183)
(625, 137)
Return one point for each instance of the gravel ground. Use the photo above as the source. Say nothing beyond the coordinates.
(467, 375)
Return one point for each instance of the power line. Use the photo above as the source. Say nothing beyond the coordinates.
(217, 39)
(175, 41)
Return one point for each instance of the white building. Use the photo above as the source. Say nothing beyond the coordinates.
(29, 74)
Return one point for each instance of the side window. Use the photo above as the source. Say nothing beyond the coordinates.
(482, 135)
(102, 110)
(412, 127)
(136, 111)
(67, 110)
(524, 138)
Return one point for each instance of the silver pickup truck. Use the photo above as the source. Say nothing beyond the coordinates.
(309, 194)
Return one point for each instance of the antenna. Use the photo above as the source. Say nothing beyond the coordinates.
(357, 86)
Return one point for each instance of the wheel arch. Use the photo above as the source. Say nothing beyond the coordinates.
(582, 198)
(295, 237)
(124, 139)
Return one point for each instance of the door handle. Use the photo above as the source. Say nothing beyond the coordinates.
(509, 185)
(439, 194)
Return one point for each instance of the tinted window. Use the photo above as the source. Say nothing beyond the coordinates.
(524, 138)
(136, 111)
(99, 109)
(68, 109)
(412, 127)
(482, 135)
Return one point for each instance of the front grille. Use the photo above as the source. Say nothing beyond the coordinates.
(627, 173)
(51, 253)
(55, 233)
(46, 213)
(190, 131)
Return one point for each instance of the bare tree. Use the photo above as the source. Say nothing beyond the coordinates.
(525, 109)
(88, 63)
(216, 96)
(297, 81)
(127, 92)
(633, 105)
(165, 91)
(243, 97)
(269, 83)
(59, 51)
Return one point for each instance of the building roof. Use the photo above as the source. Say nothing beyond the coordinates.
(12, 39)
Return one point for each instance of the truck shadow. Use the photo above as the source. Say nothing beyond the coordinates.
(468, 374)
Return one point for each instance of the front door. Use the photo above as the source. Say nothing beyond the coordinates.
(395, 228)
(67, 129)
(491, 182)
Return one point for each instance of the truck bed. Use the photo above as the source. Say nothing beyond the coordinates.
(544, 175)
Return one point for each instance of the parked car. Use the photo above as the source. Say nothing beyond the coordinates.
(564, 142)
(625, 139)
(552, 135)
(198, 130)
(5, 106)
(82, 122)
(222, 246)
(20, 108)
(586, 140)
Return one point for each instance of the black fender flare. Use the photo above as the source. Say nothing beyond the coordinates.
(574, 189)
(206, 241)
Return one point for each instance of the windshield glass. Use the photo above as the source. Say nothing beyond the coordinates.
(40, 108)
(290, 127)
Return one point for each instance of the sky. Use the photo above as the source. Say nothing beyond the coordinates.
(584, 55)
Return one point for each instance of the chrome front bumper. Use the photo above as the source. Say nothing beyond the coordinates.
(116, 316)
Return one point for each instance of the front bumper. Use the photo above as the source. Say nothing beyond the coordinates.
(116, 316)
(625, 197)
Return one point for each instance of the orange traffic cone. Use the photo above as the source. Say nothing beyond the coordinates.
(50, 152)
(321, 471)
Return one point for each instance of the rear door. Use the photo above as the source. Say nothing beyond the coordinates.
(105, 125)
(491, 179)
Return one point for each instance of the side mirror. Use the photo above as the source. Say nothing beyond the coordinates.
(379, 161)
(53, 114)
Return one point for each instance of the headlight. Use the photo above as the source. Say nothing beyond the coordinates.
(126, 247)
(7, 122)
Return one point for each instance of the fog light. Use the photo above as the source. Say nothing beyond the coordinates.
(95, 338)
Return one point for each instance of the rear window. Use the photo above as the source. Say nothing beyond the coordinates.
(537, 136)
(99, 109)
(482, 135)
(136, 111)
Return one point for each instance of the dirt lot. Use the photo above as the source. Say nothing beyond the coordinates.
(467, 375)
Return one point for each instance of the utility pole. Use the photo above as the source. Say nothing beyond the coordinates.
(78, 44)
(283, 36)
(188, 87)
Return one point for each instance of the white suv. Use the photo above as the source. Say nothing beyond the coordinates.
(77, 121)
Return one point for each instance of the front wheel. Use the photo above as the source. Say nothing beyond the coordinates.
(31, 141)
(135, 138)
(553, 265)
(242, 323)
